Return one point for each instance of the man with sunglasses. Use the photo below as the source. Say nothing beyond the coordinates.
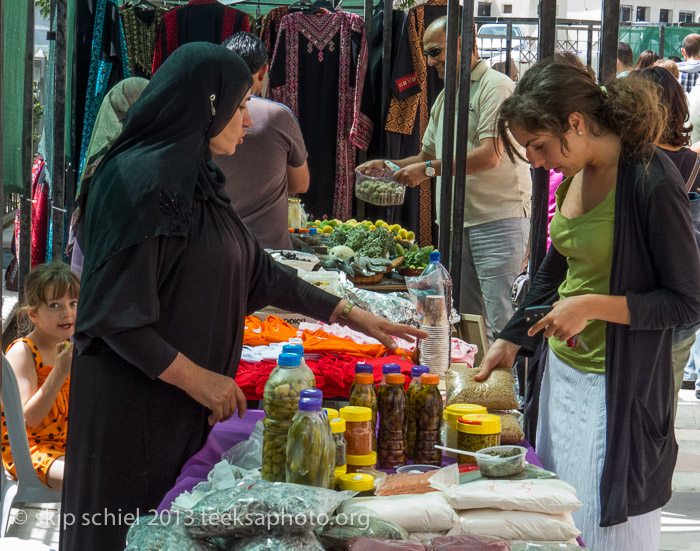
(497, 207)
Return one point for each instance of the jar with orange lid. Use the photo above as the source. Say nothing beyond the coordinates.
(366, 461)
(364, 395)
(411, 392)
(450, 417)
(428, 404)
(391, 441)
(358, 429)
(476, 432)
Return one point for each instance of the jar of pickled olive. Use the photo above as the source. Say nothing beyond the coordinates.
(332, 413)
(413, 387)
(386, 369)
(318, 394)
(357, 482)
(280, 402)
(450, 417)
(365, 395)
(305, 369)
(361, 368)
(428, 404)
(338, 432)
(355, 462)
(358, 429)
(476, 432)
(391, 440)
(310, 450)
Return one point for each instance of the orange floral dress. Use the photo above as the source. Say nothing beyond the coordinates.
(47, 442)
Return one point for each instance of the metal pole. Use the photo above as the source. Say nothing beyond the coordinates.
(448, 135)
(662, 39)
(610, 28)
(461, 154)
(59, 129)
(386, 59)
(2, 142)
(509, 46)
(25, 205)
(589, 48)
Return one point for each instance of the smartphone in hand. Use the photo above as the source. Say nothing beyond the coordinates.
(533, 314)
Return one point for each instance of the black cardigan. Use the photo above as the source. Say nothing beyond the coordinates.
(656, 265)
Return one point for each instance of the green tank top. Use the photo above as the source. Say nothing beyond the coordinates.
(587, 243)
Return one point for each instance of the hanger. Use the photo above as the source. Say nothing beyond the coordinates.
(144, 4)
(319, 4)
(378, 8)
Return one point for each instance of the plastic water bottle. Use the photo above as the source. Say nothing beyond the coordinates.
(445, 277)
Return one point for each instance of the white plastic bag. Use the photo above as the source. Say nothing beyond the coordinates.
(516, 525)
(247, 454)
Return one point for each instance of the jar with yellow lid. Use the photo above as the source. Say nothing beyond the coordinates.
(451, 415)
(354, 462)
(362, 483)
(340, 471)
(358, 429)
(332, 413)
(476, 432)
(338, 432)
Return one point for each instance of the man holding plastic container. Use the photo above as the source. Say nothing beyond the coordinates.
(497, 206)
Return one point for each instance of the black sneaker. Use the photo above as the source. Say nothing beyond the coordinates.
(688, 385)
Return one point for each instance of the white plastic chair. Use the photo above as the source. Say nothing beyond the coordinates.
(27, 488)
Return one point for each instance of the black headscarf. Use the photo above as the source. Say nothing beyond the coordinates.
(146, 183)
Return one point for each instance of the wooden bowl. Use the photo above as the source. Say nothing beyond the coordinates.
(367, 280)
(410, 272)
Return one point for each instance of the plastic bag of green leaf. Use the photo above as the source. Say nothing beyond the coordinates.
(163, 533)
(543, 546)
(301, 542)
(343, 529)
(264, 508)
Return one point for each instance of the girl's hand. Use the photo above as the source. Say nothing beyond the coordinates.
(64, 356)
(501, 354)
(567, 318)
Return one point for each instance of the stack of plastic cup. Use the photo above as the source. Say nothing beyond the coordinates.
(435, 350)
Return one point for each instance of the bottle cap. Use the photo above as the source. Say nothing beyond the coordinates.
(311, 393)
(332, 413)
(362, 460)
(357, 482)
(479, 423)
(435, 256)
(289, 360)
(313, 231)
(364, 378)
(391, 368)
(395, 378)
(455, 411)
(293, 349)
(428, 379)
(418, 370)
(338, 425)
(363, 368)
(356, 414)
(310, 404)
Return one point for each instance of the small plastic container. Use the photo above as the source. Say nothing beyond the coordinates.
(332, 413)
(366, 461)
(502, 466)
(357, 482)
(386, 369)
(340, 471)
(416, 469)
(358, 429)
(360, 368)
(411, 391)
(365, 395)
(451, 415)
(379, 187)
(338, 432)
(476, 432)
(391, 439)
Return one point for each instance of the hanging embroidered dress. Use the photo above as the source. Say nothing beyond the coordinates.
(140, 30)
(197, 21)
(318, 70)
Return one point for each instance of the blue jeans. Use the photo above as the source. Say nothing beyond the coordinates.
(692, 369)
(492, 257)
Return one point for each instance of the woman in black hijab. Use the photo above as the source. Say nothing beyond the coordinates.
(170, 273)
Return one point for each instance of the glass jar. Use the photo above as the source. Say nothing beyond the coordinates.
(449, 428)
(355, 462)
(386, 369)
(365, 396)
(294, 213)
(361, 368)
(296, 348)
(391, 441)
(358, 429)
(310, 450)
(280, 402)
(338, 432)
(413, 388)
(428, 404)
(357, 482)
(476, 432)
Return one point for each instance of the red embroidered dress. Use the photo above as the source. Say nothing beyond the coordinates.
(197, 21)
(318, 70)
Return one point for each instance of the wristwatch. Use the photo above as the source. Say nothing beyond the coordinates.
(346, 311)
(429, 169)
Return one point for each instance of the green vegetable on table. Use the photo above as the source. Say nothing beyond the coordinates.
(416, 257)
(377, 243)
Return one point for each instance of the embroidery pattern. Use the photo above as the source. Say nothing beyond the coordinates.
(177, 209)
(141, 38)
(320, 31)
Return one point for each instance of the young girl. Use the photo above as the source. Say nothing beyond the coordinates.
(622, 272)
(42, 361)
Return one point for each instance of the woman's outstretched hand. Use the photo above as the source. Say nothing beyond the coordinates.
(501, 354)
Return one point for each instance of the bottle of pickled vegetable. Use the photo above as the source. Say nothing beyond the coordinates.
(280, 402)
(365, 396)
(391, 442)
(413, 388)
(361, 368)
(386, 369)
(305, 369)
(317, 394)
(310, 449)
(428, 408)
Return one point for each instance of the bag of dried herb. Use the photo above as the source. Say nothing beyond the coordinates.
(336, 535)
(165, 533)
(496, 392)
(302, 542)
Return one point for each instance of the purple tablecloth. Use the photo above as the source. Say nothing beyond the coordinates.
(223, 436)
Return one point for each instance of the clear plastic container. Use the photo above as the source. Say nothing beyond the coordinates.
(391, 441)
(310, 449)
(451, 415)
(501, 466)
(428, 404)
(295, 348)
(367, 461)
(358, 429)
(445, 279)
(280, 402)
(413, 388)
(476, 432)
(361, 368)
(379, 187)
(338, 432)
(365, 395)
(386, 369)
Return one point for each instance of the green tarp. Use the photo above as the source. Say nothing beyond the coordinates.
(647, 38)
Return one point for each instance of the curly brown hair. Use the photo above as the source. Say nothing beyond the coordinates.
(549, 92)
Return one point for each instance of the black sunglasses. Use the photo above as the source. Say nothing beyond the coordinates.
(434, 52)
